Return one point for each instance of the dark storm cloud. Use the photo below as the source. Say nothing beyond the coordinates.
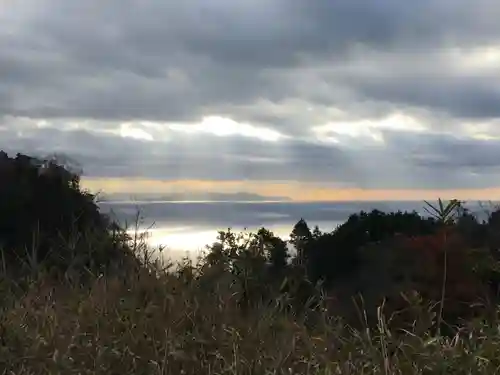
(170, 61)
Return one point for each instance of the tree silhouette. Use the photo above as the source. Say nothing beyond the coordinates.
(316, 233)
(336, 255)
(275, 248)
(299, 238)
(46, 218)
(376, 254)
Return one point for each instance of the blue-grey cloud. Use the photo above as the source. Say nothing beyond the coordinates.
(180, 60)
(404, 160)
(280, 64)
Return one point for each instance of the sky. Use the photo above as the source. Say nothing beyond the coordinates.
(300, 99)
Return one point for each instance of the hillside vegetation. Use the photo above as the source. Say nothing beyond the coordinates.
(384, 293)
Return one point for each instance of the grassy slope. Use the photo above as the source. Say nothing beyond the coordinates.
(173, 325)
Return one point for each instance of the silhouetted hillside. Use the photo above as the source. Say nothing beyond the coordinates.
(48, 221)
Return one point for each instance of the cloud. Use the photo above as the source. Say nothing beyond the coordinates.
(399, 160)
(172, 61)
(378, 94)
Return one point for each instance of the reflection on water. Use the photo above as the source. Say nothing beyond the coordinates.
(189, 239)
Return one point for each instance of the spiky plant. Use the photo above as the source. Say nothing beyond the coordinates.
(446, 215)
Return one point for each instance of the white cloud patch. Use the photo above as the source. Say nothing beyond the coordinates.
(128, 130)
(480, 60)
(224, 127)
(353, 131)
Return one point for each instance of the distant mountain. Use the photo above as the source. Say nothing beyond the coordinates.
(189, 197)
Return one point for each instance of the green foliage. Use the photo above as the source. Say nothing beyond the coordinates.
(444, 214)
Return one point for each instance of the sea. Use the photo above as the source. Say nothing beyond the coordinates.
(185, 228)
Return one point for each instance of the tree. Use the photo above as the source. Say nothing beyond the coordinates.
(316, 232)
(46, 218)
(275, 249)
(299, 237)
(334, 256)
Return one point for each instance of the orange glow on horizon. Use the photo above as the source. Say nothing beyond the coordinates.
(294, 190)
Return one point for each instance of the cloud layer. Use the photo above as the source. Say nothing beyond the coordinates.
(384, 94)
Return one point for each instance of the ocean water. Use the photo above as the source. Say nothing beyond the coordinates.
(184, 228)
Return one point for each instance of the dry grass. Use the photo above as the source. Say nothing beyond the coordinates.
(143, 324)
